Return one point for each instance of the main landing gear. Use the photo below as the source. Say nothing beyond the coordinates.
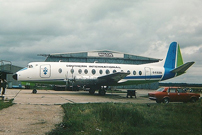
(102, 90)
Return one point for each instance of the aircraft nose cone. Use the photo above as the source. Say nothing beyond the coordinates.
(15, 76)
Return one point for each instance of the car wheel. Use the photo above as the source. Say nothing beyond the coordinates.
(193, 100)
(166, 100)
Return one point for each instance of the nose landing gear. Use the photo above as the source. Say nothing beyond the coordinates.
(34, 91)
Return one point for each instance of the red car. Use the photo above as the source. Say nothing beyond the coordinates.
(172, 94)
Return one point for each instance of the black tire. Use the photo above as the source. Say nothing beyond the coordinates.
(91, 91)
(34, 91)
(102, 92)
(166, 100)
(193, 100)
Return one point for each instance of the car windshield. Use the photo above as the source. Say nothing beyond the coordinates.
(160, 89)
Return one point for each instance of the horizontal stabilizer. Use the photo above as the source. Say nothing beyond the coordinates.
(181, 69)
(115, 77)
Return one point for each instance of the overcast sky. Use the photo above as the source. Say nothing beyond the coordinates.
(139, 27)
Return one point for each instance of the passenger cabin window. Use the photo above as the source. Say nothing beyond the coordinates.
(140, 72)
(107, 71)
(60, 70)
(80, 71)
(93, 71)
(72, 70)
(114, 71)
(134, 72)
(128, 71)
(101, 71)
(86, 71)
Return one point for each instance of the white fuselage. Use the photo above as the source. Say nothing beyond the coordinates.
(60, 72)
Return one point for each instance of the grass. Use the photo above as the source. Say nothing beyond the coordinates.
(128, 118)
(6, 104)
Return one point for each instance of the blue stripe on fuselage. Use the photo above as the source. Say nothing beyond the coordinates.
(144, 77)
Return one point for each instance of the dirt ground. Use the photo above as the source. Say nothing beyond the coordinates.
(30, 119)
(37, 114)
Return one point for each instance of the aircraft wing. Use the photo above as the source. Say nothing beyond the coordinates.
(181, 69)
(113, 78)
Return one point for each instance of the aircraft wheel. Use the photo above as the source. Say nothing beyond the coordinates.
(34, 91)
(91, 91)
(102, 92)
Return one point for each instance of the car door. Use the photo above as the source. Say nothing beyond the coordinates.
(182, 95)
(173, 95)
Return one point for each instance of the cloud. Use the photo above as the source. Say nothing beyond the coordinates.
(139, 27)
(192, 50)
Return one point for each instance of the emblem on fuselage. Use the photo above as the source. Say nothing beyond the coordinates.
(45, 71)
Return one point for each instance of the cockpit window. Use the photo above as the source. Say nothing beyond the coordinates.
(30, 66)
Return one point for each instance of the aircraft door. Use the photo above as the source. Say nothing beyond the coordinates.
(147, 73)
(45, 71)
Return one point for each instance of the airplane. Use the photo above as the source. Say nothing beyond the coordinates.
(98, 76)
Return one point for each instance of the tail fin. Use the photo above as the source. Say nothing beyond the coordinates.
(174, 56)
(174, 65)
